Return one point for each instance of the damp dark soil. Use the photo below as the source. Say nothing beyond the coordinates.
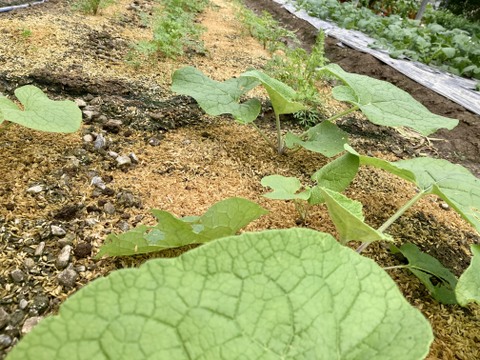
(62, 194)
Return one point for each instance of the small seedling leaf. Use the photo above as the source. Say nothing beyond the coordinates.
(348, 217)
(217, 98)
(282, 96)
(224, 218)
(453, 183)
(290, 294)
(337, 174)
(425, 267)
(468, 286)
(284, 188)
(385, 104)
(41, 113)
(325, 138)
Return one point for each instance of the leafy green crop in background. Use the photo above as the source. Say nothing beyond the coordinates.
(222, 219)
(468, 286)
(291, 294)
(39, 112)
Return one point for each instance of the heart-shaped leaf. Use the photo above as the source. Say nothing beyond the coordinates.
(385, 104)
(291, 294)
(284, 188)
(217, 98)
(41, 113)
(325, 138)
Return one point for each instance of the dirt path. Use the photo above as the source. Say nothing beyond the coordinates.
(186, 161)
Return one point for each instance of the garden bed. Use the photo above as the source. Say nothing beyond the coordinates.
(184, 161)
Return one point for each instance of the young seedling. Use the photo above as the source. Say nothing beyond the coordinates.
(39, 112)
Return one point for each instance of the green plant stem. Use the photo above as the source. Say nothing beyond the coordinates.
(264, 136)
(396, 267)
(279, 134)
(394, 217)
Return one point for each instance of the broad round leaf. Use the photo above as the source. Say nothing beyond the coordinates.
(292, 294)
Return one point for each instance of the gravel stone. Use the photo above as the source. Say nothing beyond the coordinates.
(57, 230)
(108, 208)
(23, 304)
(5, 341)
(154, 141)
(40, 248)
(67, 277)
(64, 257)
(80, 103)
(4, 318)
(100, 142)
(112, 126)
(18, 276)
(113, 154)
(98, 182)
(123, 160)
(88, 138)
(29, 263)
(30, 323)
(36, 189)
(133, 157)
(40, 303)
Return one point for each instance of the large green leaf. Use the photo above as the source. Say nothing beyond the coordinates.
(325, 138)
(347, 215)
(468, 286)
(385, 104)
(425, 267)
(41, 113)
(284, 188)
(282, 96)
(339, 173)
(291, 294)
(217, 98)
(453, 183)
(222, 219)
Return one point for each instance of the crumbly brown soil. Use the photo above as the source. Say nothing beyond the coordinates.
(186, 161)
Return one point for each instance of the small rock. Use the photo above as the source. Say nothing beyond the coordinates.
(90, 114)
(67, 240)
(80, 103)
(123, 225)
(100, 142)
(23, 304)
(80, 268)
(4, 318)
(154, 141)
(82, 250)
(16, 318)
(36, 189)
(112, 126)
(127, 199)
(17, 275)
(91, 222)
(123, 161)
(39, 249)
(40, 303)
(113, 154)
(64, 257)
(108, 208)
(88, 138)
(5, 341)
(98, 182)
(133, 157)
(444, 206)
(108, 191)
(29, 263)
(68, 277)
(57, 230)
(30, 323)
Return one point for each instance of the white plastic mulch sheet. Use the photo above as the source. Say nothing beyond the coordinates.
(455, 88)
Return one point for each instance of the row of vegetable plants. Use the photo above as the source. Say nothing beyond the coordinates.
(454, 50)
(293, 293)
(239, 285)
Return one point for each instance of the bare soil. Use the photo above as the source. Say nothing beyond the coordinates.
(186, 160)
